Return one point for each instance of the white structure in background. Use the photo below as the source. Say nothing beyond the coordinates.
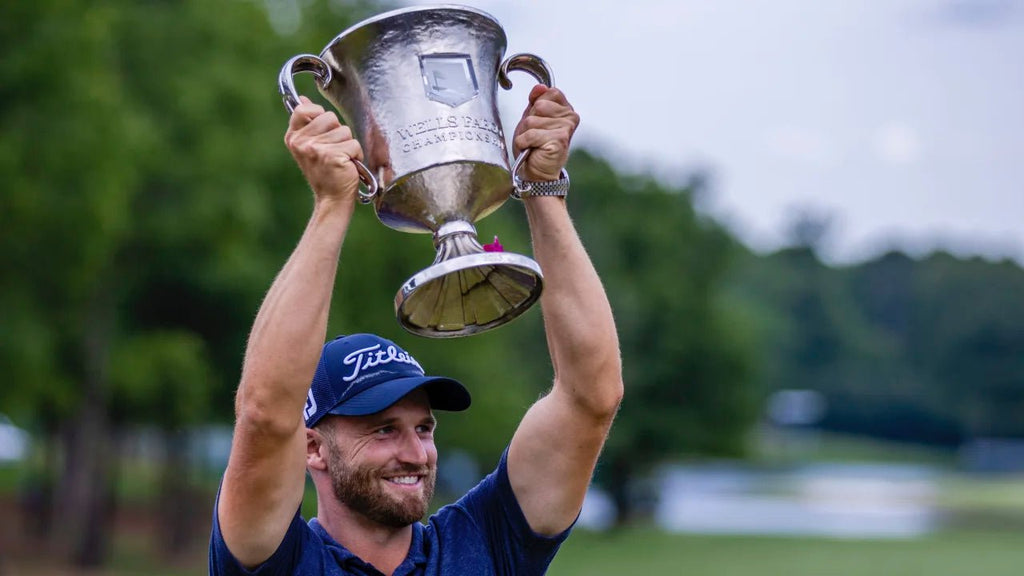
(13, 441)
(598, 511)
(839, 500)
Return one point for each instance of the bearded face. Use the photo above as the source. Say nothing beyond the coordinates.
(381, 494)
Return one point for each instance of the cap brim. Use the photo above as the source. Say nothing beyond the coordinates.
(444, 394)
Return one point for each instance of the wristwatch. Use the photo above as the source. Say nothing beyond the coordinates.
(526, 188)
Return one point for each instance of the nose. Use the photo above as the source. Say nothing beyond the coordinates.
(412, 449)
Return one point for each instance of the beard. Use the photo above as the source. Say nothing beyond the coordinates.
(360, 488)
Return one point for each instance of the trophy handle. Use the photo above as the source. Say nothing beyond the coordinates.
(539, 69)
(530, 63)
(320, 69)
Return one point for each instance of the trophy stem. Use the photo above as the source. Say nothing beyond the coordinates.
(466, 290)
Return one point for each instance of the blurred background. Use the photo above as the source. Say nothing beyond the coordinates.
(806, 215)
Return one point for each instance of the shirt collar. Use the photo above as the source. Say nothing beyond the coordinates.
(416, 556)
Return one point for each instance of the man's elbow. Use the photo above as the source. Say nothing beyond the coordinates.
(600, 396)
(265, 416)
(608, 400)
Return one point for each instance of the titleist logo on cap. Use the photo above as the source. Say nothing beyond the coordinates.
(366, 358)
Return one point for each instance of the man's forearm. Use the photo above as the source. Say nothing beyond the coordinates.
(291, 325)
(577, 316)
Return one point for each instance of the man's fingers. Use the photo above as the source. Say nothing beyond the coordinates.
(548, 116)
(547, 102)
(307, 124)
(548, 139)
(537, 94)
(552, 109)
(304, 113)
(321, 124)
(349, 150)
(549, 93)
(534, 93)
(546, 123)
(332, 143)
(337, 134)
(537, 91)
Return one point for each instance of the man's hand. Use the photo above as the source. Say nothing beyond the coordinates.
(547, 127)
(324, 150)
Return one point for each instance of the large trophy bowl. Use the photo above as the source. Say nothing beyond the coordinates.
(418, 88)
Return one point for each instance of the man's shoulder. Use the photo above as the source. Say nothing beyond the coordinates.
(305, 549)
(485, 532)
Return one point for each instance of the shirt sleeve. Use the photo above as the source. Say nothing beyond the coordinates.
(281, 563)
(515, 548)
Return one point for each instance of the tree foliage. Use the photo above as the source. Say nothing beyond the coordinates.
(927, 350)
(141, 219)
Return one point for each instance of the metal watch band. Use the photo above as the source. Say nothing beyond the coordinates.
(529, 188)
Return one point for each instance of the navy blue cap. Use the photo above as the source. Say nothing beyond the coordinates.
(363, 374)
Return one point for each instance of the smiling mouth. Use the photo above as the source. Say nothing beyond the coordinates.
(404, 480)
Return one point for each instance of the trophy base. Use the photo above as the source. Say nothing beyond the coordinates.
(467, 290)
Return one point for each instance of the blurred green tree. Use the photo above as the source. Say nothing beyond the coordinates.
(685, 346)
(147, 204)
(69, 155)
(927, 350)
(959, 327)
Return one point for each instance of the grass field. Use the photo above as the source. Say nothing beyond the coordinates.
(644, 552)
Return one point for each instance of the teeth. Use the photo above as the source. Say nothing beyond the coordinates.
(405, 479)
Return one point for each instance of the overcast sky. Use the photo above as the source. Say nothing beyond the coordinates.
(902, 119)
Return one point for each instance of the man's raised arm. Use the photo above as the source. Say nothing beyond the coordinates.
(265, 477)
(554, 451)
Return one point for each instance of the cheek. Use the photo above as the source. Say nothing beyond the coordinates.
(374, 453)
(362, 448)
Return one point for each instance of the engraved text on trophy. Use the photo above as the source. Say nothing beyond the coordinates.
(441, 129)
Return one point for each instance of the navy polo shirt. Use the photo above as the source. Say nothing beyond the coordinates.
(484, 533)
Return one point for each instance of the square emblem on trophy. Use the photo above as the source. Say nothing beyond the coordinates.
(449, 78)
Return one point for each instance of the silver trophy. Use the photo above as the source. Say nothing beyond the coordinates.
(418, 88)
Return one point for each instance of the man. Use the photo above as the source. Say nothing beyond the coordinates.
(363, 429)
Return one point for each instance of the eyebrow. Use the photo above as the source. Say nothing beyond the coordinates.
(379, 421)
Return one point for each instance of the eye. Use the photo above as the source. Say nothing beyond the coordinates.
(426, 429)
(384, 430)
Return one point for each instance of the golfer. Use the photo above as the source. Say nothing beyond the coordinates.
(357, 413)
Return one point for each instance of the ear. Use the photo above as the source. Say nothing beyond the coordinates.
(316, 450)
